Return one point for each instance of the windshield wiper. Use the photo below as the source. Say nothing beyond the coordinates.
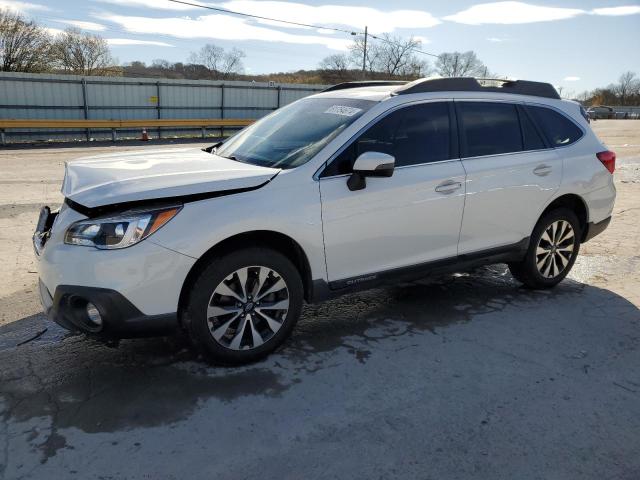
(212, 148)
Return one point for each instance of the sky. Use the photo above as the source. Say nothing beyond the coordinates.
(577, 45)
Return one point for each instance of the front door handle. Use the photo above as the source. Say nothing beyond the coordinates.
(542, 170)
(449, 186)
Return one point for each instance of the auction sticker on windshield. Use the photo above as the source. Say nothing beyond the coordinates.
(342, 110)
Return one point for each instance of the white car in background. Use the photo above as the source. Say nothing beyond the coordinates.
(363, 184)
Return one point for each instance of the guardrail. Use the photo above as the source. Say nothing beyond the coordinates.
(114, 125)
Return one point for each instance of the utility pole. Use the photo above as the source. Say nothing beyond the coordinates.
(364, 54)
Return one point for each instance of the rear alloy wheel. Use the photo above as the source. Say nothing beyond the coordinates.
(553, 248)
(243, 305)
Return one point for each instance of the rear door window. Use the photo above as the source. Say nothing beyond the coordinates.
(489, 128)
(559, 130)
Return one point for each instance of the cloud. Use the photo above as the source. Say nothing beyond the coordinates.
(95, 27)
(22, 7)
(378, 21)
(232, 27)
(131, 41)
(617, 11)
(422, 40)
(571, 79)
(153, 4)
(355, 17)
(511, 13)
(53, 31)
(495, 39)
(221, 27)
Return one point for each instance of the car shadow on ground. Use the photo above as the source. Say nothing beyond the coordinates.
(78, 381)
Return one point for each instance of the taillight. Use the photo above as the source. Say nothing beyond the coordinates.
(608, 159)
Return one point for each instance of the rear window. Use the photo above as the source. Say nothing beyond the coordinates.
(558, 129)
(489, 128)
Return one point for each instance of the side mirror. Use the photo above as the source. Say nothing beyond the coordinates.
(370, 164)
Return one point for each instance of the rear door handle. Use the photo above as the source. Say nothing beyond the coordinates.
(542, 170)
(449, 186)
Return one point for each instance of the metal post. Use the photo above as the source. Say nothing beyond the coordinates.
(3, 140)
(279, 95)
(364, 53)
(221, 108)
(86, 106)
(204, 132)
(113, 134)
(158, 107)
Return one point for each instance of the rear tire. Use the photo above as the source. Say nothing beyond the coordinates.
(553, 249)
(243, 305)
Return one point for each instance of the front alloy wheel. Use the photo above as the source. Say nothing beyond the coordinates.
(248, 308)
(243, 305)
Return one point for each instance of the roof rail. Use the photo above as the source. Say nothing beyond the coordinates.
(470, 84)
(365, 83)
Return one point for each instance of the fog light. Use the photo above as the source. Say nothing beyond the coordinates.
(94, 314)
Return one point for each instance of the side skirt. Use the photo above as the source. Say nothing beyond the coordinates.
(511, 253)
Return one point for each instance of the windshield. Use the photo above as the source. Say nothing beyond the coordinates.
(292, 135)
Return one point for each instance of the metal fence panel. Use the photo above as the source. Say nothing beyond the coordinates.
(44, 96)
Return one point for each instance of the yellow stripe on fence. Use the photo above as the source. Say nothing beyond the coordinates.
(165, 122)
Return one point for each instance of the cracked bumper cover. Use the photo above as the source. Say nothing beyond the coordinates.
(120, 318)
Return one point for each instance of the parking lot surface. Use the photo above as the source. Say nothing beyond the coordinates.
(467, 376)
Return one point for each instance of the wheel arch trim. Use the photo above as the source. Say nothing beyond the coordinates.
(275, 240)
(572, 201)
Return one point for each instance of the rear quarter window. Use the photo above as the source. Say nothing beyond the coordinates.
(559, 130)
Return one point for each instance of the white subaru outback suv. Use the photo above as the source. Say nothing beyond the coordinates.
(363, 184)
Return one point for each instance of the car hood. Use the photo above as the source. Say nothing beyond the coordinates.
(116, 178)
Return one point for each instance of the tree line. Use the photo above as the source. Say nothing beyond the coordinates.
(26, 46)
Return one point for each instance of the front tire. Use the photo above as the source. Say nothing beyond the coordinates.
(243, 305)
(553, 249)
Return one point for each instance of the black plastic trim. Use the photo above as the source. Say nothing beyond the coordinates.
(510, 253)
(121, 319)
(366, 83)
(594, 229)
(524, 111)
(469, 84)
(118, 207)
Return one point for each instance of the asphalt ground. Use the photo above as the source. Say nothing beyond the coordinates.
(465, 376)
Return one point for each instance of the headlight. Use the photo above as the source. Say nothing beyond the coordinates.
(121, 230)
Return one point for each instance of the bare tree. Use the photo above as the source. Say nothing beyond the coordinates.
(219, 62)
(628, 85)
(211, 56)
(337, 68)
(460, 64)
(357, 55)
(161, 63)
(24, 45)
(83, 53)
(397, 57)
(232, 62)
(338, 62)
(393, 56)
